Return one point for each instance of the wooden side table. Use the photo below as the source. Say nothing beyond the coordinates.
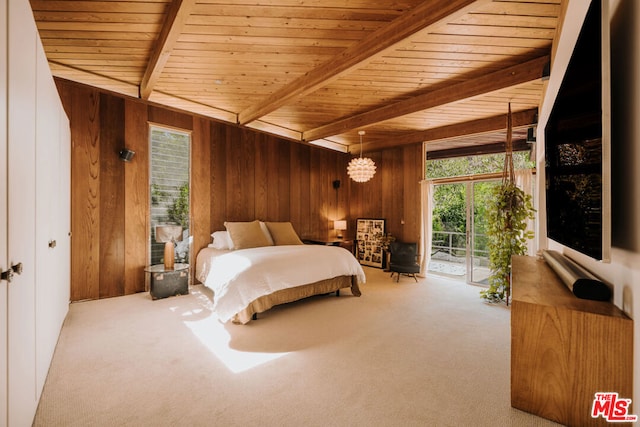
(166, 283)
(343, 243)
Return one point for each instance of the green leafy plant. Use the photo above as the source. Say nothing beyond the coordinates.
(507, 214)
(507, 233)
(385, 240)
(179, 210)
(157, 195)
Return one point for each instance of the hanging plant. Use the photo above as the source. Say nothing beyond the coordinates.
(507, 214)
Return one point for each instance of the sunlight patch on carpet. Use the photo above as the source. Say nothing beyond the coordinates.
(214, 336)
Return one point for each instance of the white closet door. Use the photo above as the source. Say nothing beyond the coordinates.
(21, 213)
(52, 246)
(4, 262)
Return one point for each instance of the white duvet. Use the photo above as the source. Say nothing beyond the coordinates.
(239, 277)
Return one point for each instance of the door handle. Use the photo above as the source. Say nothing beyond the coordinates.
(10, 272)
(17, 268)
(7, 275)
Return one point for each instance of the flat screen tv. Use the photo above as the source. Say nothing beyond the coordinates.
(577, 144)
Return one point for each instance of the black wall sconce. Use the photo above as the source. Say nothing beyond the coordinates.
(531, 131)
(126, 155)
(546, 71)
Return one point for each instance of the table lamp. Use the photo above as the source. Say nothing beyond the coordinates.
(339, 226)
(168, 234)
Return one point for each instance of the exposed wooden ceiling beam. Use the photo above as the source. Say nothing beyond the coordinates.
(477, 150)
(475, 127)
(426, 14)
(75, 74)
(177, 15)
(508, 77)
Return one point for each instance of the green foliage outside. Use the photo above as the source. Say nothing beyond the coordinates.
(449, 211)
(475, 165)
(179, 210)
(169, 188)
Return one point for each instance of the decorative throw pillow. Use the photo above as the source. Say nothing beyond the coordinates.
(266, 232)
(246, 234)
(283, 233)
(221, 240)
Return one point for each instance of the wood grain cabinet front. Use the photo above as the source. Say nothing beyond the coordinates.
(565, 349)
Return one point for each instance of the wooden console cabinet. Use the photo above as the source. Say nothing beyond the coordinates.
(565, 349)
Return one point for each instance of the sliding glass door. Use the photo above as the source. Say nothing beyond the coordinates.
(459, 244)
(479, 193)
(449, 230)
(462, 192)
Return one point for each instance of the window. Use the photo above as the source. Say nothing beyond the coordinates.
(475, 165)
(170, 166)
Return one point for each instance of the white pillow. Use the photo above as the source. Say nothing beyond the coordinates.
(221, 240)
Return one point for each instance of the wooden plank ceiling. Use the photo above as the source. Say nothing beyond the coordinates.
(317, 71)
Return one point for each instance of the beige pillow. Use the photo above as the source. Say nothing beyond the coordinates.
(265, 230)
(246, 234)
(283, 233)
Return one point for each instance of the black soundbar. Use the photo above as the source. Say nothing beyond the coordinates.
(582, 283)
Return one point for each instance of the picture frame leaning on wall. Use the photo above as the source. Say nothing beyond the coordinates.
(368, 245)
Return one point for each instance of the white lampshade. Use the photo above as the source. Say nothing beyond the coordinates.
(168, 233)
(361, 169)
(340, 225)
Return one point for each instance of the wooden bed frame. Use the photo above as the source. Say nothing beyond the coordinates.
(284, 296)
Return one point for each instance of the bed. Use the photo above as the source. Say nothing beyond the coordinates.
(251, 277)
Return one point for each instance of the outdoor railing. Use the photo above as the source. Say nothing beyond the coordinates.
(453, 244)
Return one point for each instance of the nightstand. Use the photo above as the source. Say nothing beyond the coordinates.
(166, 283)
(343, 243)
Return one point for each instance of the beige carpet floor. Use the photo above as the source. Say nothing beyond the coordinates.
(404, 354)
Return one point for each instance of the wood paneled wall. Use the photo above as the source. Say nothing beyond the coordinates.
(236, 175)
(254, 175)
(393, 193)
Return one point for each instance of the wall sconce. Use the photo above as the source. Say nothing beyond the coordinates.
(168, 234)
(340, 226)
(531, 131)
(126, 155)
(531, 135)
(546, 71)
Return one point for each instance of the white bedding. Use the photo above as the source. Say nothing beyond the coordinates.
(239, 277)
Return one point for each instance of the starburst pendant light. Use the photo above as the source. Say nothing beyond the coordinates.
(361, 169)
